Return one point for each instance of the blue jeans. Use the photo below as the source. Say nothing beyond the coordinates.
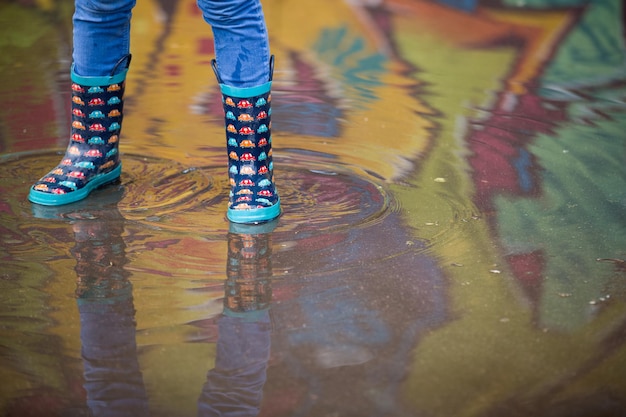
(102, 38)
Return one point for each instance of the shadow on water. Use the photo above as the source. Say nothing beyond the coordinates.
(453, 239)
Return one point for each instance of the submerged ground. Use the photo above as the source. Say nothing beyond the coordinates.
(453, 240)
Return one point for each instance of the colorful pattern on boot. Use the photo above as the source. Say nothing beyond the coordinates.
(253, 197)
(91, 159)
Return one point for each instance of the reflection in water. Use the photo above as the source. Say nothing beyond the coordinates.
(337, 331)
(113, 380)
(349, 332)
(235, 386)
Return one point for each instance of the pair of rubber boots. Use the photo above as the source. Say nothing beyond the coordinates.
(92, 157)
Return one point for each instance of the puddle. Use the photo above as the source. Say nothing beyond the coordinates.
(452, 239)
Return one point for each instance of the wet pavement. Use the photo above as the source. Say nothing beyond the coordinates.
(453, 240)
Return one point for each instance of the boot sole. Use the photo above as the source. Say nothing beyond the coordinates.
(48, 199)
(254, 216)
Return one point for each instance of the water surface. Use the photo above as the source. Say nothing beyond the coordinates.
(453, 240)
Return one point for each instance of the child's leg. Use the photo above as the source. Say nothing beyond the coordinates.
(241, 41)
(244, 70)
(101, 59)
(101, 35)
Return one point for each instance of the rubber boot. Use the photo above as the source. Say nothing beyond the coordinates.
(247, 112)
(91, 159)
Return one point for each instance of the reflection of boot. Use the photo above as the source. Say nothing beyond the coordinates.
(235, 386)
(113, 380)
(247, 111)
(249, 272)
(100, 259)
(91, 159)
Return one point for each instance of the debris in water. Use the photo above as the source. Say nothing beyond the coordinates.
(600, 299)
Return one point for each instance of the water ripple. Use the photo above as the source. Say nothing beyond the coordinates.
(317, 196)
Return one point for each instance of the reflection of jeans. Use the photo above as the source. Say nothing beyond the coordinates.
(102, 38)
(113, 380)
(234, 388)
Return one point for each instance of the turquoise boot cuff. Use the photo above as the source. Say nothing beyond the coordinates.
(99, 81)
(246, 91)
